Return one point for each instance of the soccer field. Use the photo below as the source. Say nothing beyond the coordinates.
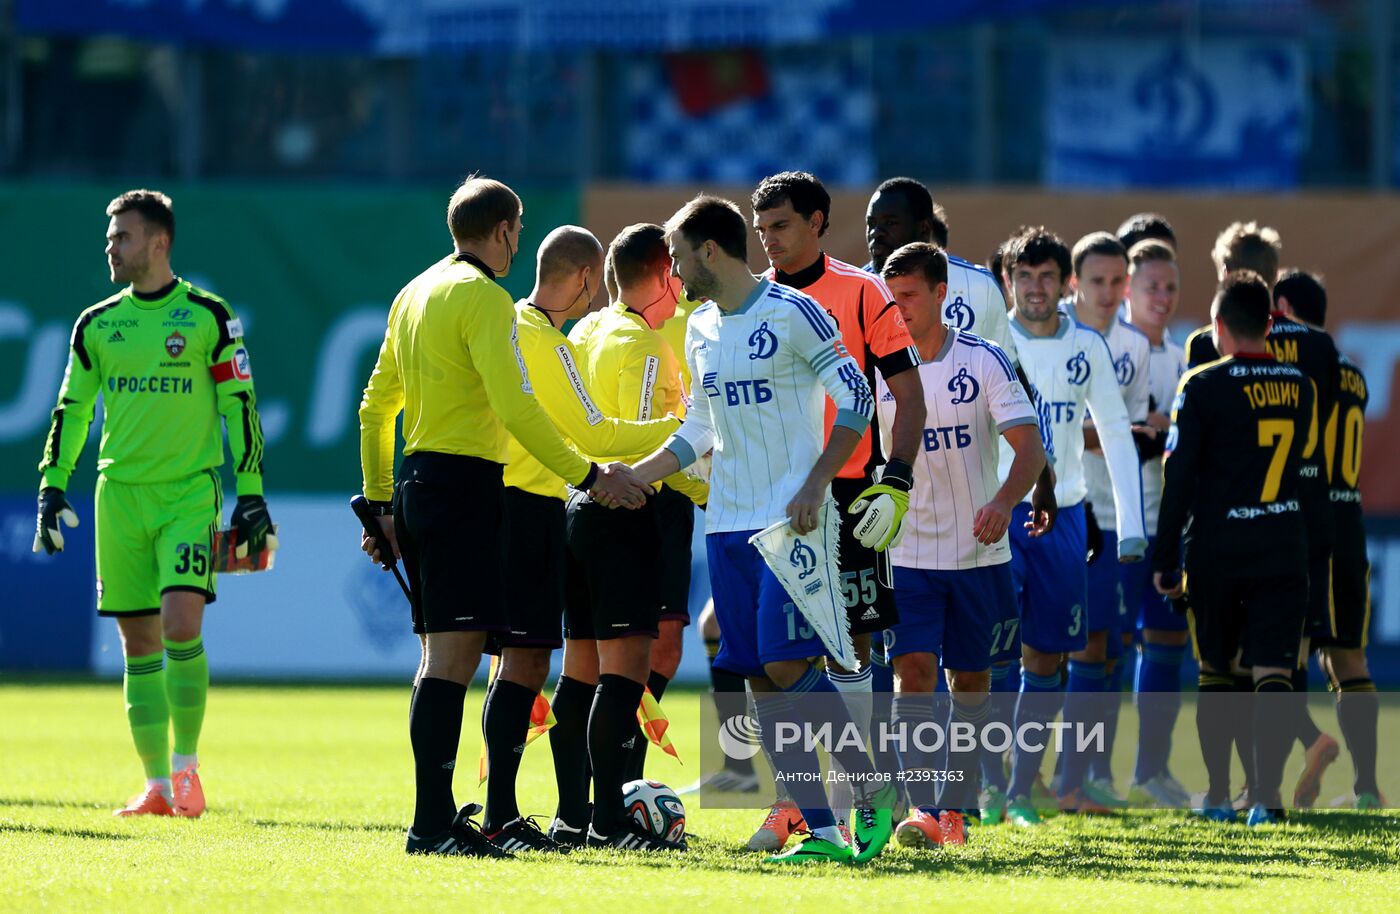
(310, 789)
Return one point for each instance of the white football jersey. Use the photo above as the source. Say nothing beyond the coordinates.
(1129, 348)
(1165, 366)
(974, 304)
(1072, 372)
(760, 376)
(972, 396)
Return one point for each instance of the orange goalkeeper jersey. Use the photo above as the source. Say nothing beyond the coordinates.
(871, 327)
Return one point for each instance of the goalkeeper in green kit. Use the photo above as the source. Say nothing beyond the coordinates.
(169, 361)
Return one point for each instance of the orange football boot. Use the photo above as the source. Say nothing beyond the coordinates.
(150, 803)
(920, 829)
(954, 827)
(189, 793)
(783, 819)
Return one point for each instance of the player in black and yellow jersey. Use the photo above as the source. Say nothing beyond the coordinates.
(623, 597)
(451, 365)
(1241, 428)
(1249, 246)
(1303, 298)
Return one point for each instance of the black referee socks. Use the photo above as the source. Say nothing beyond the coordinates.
(568, 744)
(435, 729)
(612, 732)
(505, 723)
(637, 759)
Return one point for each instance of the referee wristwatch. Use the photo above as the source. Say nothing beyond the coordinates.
(380, 508)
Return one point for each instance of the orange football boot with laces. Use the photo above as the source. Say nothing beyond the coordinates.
(189, 793)
(783, 820)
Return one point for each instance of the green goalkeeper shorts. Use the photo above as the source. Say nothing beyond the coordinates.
(153, 538)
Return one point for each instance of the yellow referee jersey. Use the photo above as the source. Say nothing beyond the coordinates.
(633, 374)
(673, 332)
(552, 364)
(450, 363)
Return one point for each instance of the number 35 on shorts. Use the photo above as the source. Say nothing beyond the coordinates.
(192, 558)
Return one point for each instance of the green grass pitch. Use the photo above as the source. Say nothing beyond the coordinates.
(310, 791)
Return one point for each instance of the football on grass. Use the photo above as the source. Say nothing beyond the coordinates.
(656, 808)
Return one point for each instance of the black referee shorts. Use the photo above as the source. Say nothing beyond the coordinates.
(535, 566)
(675, 515)
(1259, 616)
(450, 522)
(864, 572)
(613, 584)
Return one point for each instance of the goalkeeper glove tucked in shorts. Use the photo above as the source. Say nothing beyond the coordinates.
(53, 508)
(884, 505)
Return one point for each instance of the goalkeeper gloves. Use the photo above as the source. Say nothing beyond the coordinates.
(53, 508)
(884, 505)
(254, 526)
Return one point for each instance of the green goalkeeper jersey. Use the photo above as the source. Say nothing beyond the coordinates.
(168, 365)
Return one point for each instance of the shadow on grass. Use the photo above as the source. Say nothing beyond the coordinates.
(328, 826)
(46, 803)
(57, 831)
(1151, 851)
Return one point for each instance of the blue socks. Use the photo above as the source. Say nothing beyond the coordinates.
(1084, 708)
(1006, 681)
(1101, 764)
(1039, 702)
(911, 711)
(1158, 689)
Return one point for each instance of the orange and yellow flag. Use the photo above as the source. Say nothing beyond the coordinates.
(541, 719)
(654, 724)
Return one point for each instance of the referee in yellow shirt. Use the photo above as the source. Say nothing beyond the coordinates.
(620, 580)
(450, 364)
(567, 279)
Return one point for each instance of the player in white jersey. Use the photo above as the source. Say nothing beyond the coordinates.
(952, 567)
(1070, 368)
(1101, 278)
(1153, 295)
(902, 211)
(762, 360)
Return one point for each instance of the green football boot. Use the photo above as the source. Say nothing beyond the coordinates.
(874, 821)
(814, 850)
(1021, 812)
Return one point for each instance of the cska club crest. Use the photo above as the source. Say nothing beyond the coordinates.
(175, 344)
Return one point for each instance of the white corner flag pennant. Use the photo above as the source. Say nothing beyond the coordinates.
(809, 568)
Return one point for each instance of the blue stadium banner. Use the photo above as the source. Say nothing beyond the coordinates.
(412, 27)
(1225, 114)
